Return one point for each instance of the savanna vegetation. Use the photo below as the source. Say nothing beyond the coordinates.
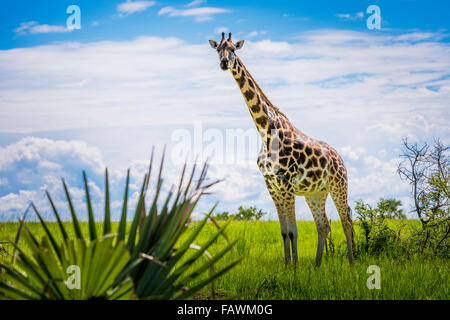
(261, 274)
(144, 259)
(161, 253)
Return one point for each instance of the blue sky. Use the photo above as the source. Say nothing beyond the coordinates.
(101, 20)
(141, 73)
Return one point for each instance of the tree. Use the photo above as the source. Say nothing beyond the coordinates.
(378, 237)
(251, 213)
(390, 208)
(385, 208)
(222, 216)
(426, 169)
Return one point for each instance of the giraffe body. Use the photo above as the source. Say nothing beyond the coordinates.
(291, 163)
(303, 166)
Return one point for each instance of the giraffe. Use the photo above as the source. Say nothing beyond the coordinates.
(292, 163)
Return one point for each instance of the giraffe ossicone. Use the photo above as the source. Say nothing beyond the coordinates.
(292, 163)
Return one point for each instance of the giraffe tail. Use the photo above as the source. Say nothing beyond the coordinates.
(351, 221)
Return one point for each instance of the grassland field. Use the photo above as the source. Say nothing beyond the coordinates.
(262, 273)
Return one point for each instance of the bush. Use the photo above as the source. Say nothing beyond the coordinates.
(426, 169)
(222, 216)
(251, 213)
(247, 214)
(389, 208)
(377, 236)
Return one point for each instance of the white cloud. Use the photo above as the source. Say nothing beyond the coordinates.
(368, 77)
(33, 165)
(165, 10)
(420, 36)
(130, 7)
(352, 154)
(357, 91)
(195, 3)
(343, 15)
(33, 27)
(36, 157)
(256, 33)
(45, 28)
(234, 188)
(348, 16)
(199, 14)
(24, 26)
(221, 29)
(268, 47)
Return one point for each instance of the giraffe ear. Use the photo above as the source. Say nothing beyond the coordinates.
(213, 44)
(239, 44)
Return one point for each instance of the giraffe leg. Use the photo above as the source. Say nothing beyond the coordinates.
(284, 233)
(339, 195)
(286, 215)
(284, 198)
(316, 203)
(292, 232)
(286, 242)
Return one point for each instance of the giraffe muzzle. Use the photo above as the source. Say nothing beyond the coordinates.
(224, 65)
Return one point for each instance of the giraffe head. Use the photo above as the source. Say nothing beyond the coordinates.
(226, 49)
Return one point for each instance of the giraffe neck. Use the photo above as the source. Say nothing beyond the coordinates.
(260, 107)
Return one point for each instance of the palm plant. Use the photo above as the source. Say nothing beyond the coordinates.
(46, 274)
(151, 262)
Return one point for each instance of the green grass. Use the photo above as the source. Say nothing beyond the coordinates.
(263, 275)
